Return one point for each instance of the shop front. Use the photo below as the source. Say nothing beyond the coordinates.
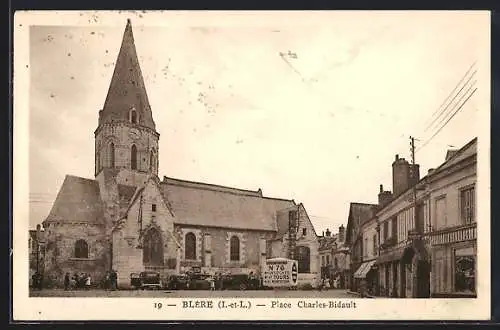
(366, 277)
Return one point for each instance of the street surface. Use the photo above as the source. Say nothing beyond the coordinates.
(194, 294)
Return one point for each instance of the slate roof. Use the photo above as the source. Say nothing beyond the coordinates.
(359, 213)
(203, 204)
(327, 242)
(468, 150)
(127, 87)
(78, 200)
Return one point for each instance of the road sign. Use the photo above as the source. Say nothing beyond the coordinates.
(280, 272)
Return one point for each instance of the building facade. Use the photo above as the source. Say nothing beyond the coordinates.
(129, 220)
(426, 230)
(453, 224)
(334, 257)
(359, 214)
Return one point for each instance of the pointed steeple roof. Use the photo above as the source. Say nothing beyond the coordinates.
(127, 90)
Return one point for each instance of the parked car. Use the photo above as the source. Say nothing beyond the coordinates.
(135, 281)
(146, 280)
(240, 282)
(151, 280)
(199, 282)
(178, 282)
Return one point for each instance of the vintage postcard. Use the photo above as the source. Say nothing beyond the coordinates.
(251, 165)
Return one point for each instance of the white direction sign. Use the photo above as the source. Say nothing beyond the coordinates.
(280, 272)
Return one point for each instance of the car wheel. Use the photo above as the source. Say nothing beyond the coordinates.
(243, 287)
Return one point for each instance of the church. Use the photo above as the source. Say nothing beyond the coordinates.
(128, 219)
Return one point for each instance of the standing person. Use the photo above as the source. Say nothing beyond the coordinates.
(39, 281)
(212, 284)
(326, 283)
(88, 282)
(77, 280)
(363, 288)
(106, 281)
(66, 282)
(114, 280)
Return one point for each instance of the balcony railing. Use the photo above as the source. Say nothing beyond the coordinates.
(451, 235)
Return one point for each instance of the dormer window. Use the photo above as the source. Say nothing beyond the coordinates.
(133, 116)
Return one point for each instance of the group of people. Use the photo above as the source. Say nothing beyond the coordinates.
(77, 281)
(84, 281)
(329, 283)
(111, 280)
(37, 280)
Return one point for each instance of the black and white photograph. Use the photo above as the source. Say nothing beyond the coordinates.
(251, 165)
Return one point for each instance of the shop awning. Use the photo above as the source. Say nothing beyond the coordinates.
(364, 269)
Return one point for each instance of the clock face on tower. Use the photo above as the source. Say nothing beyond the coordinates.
(134, 134)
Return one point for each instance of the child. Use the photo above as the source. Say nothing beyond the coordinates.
(212, 283)
(88, 282)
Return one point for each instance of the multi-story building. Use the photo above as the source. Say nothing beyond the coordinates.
(427, 229)
(359, 213)
(334, 257)
(452, 220)
(327, 246)
(367, 270)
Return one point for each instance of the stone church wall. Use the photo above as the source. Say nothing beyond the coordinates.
(127, 249)
(123, 136)
(219, 253)
(60, 252)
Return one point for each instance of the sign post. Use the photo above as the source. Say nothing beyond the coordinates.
(280, 272)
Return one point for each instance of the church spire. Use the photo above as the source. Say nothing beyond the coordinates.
(127, 91)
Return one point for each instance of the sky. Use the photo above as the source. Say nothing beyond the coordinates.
(314, 112)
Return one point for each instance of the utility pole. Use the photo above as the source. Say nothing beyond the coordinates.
(414, 188)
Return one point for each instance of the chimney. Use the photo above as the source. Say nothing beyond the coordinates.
(400, 175)
(341, 233)
(328, 232)
(384, 197)
(430, 171)
(323, 234)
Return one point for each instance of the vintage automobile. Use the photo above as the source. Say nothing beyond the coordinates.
(199, 281)
(146, 280)
(135, 280)
(151, 280)
(240, 282)
(178, 282)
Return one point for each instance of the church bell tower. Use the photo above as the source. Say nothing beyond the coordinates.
(126, 141)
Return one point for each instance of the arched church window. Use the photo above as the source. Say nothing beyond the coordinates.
(81, 249)
(190, 246)
(133, 157)
(234, 248)
(303, 255)
(152, 161)
(111, 154)
(153, 248)
(133, 116)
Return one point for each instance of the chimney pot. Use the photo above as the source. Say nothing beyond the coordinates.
(397, 157)
(381, 188)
